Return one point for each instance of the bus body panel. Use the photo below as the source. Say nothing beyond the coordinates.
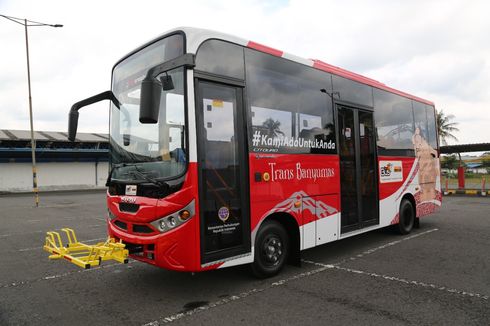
(177, 249)
(426, 191)
(303, 186)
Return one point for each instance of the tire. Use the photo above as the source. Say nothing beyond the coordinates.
(407, 217)
(271, 250)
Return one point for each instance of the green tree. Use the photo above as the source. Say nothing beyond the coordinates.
(446, 127)
(449, 162)
(486, 162)
(273, 127)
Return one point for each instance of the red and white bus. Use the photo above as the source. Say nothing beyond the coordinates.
(224, 151)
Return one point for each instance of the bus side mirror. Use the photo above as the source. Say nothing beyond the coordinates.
(126, 139)
(72, 124)
(73, 115)
(151, 90)
(167, 83)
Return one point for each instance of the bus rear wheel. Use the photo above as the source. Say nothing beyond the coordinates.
(271, 250)
(407, 217)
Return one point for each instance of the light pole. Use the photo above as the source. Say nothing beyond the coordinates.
(29, 23)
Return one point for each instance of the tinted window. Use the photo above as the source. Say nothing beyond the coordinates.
(394, 123)
(221, 58)
(420, 115)
(289, 113)
(431, 124)
(425, 121)
(351, 91)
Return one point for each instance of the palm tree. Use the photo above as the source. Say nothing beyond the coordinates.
(273, 127)
(446, 127)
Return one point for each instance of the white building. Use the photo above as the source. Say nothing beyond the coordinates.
(61, 164)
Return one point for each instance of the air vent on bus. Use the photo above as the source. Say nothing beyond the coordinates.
(140, 228)
(121, 225)
(127, 207)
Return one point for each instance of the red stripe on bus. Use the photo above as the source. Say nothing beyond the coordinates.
(264, 48)
(318, 64)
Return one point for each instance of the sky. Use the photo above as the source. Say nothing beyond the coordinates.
(437, 50)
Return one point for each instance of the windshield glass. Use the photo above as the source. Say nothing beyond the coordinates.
(142, 152)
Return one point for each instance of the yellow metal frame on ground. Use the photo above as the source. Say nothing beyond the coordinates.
(83, 255)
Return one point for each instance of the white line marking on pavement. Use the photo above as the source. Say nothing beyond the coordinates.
(99, 219)
(402, 280)
(51, 277)
(15, 234)
(232, 298)
(322, 268)
(372, 250)
(389, 244)
(416, 283)
(2, 236)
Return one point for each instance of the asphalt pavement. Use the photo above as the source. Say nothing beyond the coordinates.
(437, 275)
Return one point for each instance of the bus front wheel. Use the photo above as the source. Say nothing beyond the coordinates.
(407, 217)
(271, 249)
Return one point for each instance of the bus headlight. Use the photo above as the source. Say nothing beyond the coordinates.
(172, 221)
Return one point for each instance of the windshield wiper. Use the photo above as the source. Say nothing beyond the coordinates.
(137, 173)
(156, 182)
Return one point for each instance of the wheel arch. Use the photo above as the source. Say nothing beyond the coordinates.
(292, 229)
(409, 196)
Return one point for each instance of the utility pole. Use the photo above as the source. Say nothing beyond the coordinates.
(29, 23)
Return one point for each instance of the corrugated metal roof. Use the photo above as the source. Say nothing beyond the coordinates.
(89, 137)
(55, 135)
(23, 135)
(4, 136)
(26, 135)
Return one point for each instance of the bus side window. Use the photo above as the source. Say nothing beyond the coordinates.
(395, 124)
(286, 103)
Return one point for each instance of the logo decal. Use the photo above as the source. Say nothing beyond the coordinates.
(390, 171)
(224, 213)
(131, 190)
(129, 200)
(260, 139)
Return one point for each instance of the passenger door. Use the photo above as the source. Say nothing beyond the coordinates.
(223, 170)
(358, 168)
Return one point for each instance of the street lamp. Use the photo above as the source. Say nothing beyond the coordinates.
(29, 23)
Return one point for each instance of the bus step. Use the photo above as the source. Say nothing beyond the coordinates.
(81, 254)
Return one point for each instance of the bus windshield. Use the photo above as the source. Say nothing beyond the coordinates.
(142, 152)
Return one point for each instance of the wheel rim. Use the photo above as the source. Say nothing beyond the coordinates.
(272, 250)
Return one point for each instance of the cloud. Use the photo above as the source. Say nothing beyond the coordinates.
(438, 50)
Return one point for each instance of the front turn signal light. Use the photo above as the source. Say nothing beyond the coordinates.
(173, 220)
(185, 214)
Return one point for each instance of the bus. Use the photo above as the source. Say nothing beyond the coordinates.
(224, 151)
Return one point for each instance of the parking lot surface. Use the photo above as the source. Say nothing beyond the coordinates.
(437, 275)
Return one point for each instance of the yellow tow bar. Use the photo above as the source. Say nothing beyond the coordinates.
(83, 255)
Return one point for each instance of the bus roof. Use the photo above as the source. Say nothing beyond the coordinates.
(196, 36)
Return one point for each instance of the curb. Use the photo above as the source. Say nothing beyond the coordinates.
(51, 191)
(466, 192)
